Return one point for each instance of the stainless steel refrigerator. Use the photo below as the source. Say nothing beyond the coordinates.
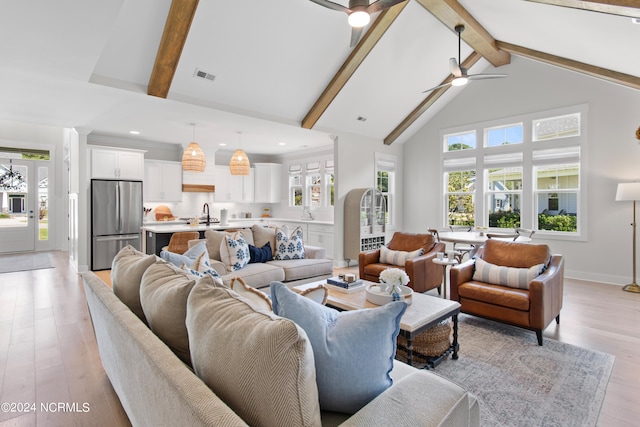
(116, 219)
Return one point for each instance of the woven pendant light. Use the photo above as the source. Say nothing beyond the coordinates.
(239, 164)
(193, 159)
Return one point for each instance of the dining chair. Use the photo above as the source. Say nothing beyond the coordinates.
(525, 232)
(503, 236)
(462, 248)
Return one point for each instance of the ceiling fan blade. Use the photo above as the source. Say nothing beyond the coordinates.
(382, 5)
(332, 5)
(485, 76)
(437, 87)
(356, 33)
(455, 68)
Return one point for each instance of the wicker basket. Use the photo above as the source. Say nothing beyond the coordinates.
(432, 342)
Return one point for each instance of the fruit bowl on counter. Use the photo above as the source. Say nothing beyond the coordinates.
(376, 294)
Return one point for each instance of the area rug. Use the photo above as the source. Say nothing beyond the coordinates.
(519, 383)
(24, 262)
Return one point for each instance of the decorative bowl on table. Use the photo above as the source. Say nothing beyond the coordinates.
(377, 295)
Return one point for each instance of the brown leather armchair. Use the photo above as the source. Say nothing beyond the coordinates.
(423, 273)
(532, 308)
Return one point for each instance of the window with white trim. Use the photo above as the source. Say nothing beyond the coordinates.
(295, 185)
(525, 172)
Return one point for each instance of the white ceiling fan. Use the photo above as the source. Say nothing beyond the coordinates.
(359, 12)
(460, 76)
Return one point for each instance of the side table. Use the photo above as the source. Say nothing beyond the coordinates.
(445, 262)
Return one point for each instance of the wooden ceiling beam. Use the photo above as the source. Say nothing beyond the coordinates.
(357, 56)
(428, 102)
(569, 64)
(451, 13)
(629, 8)
(176, 30)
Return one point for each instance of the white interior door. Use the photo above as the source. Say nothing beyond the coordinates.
(17, 219)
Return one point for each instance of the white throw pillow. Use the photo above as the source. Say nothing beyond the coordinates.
(234, 251)
(389, 256)
(505, 276)
(289, 246)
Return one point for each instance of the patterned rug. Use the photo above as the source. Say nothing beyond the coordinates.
(24, 262)
(519, 383)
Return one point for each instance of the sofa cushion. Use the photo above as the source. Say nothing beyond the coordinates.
(127, 269)
(234, 251)
(289, 245)
(411, 241)
(260, 364)
(353, 350)
(263, 235)
(163, 293)
(389, 256)
(514, 254)
(296, 269)
(189, 257)
(505, 276)
(214, 239)
(495, 295)
(258, 299)
(262, 254)
(257, 275)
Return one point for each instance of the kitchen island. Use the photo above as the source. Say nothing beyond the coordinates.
(158, 233)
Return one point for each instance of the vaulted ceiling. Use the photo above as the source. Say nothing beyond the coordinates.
(282, 71)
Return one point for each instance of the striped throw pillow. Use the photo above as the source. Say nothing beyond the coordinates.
(506, 276)
(388, 256)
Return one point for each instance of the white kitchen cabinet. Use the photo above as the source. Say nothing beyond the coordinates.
(162, 181)
(117, 163)
(233, 188)
(268, 182)
(321, 235)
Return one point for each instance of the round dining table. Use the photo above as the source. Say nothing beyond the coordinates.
(474, 238)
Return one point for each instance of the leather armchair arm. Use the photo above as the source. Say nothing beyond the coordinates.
(460, 274)
(368, 257)
(546, 292)
(423, 273)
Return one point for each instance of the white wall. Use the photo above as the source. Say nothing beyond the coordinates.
(355, 168)
(613, 156)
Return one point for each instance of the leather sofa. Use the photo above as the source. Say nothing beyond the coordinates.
(423, 273)
(533, 308)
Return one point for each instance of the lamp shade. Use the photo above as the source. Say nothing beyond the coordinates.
(193, 159)
(628, 191)
(239, 164)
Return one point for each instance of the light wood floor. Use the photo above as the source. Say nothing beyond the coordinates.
(48, 352)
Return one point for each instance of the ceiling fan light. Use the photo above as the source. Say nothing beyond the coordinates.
(359, 19)
(459, 81)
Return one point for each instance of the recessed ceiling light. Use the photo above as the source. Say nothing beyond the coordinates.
(282, 143)
(222, 144)
(134, 132)
(362, 119)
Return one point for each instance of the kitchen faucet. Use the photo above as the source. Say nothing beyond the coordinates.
(205, 209)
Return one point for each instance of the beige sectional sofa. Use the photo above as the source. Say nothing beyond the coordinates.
(250, 366)
(293, 272)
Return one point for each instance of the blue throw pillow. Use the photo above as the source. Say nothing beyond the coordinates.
(262, 254)
(188, 257)
(353, 350)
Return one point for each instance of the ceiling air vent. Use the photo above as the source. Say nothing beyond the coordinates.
(204, 75)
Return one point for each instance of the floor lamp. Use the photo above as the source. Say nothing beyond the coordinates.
(631, 192)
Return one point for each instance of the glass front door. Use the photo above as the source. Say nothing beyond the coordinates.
(17, 204)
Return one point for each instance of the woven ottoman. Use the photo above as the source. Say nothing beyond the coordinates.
(432, 342)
